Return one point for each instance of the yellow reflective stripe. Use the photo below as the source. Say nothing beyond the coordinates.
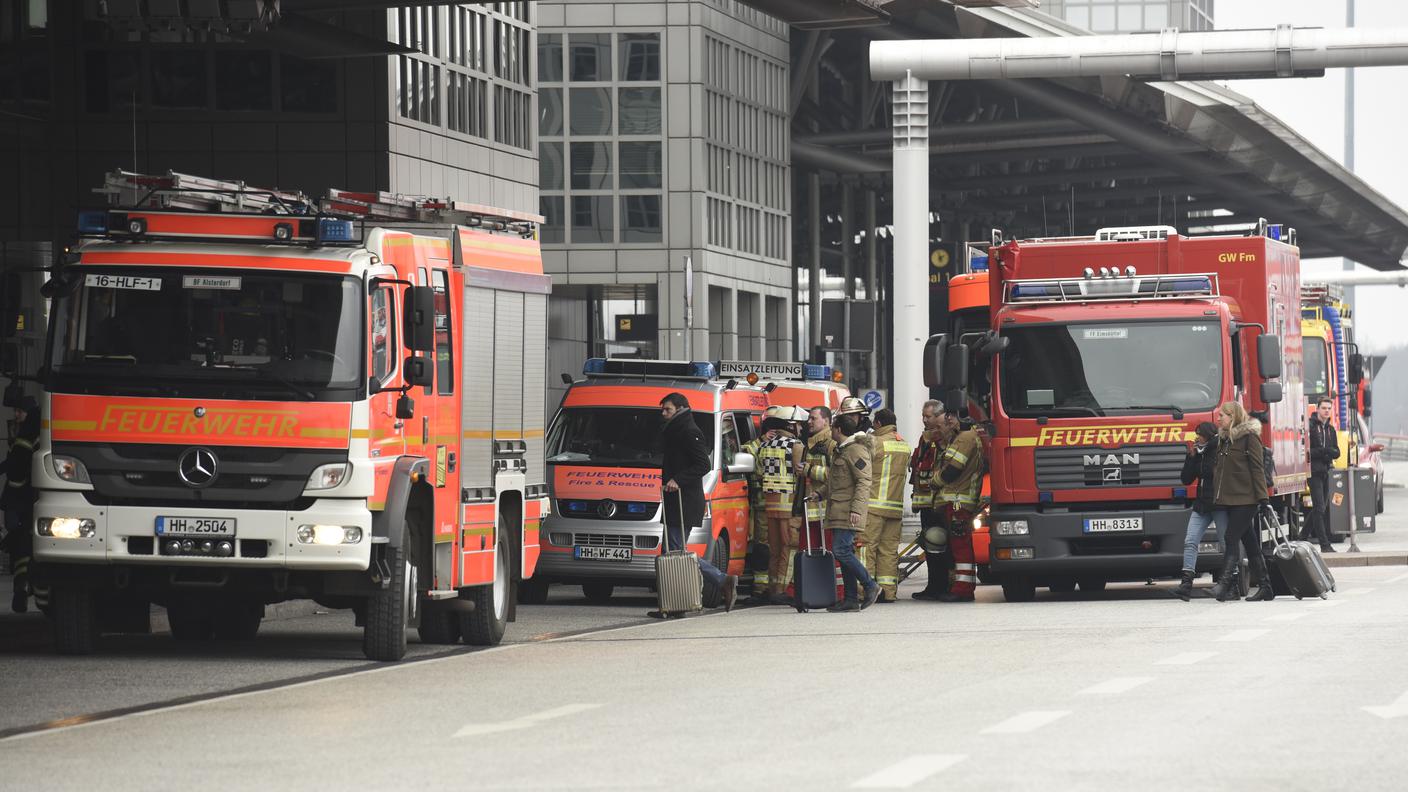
(954, 455)
(897, 447)
(885, 580)
(20, 442)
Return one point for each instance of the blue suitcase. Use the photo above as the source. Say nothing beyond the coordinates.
(813, 575)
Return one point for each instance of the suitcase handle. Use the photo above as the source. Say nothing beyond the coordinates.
(665, 527)
(1278, 536)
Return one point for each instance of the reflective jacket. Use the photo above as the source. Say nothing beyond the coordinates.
(778, 460)
(819, 449)
(889, 459)
(923, 466)
(963, 458)
(848, 483)
(754, 479)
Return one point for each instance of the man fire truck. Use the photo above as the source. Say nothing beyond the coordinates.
(247, 402)
(1103, 355)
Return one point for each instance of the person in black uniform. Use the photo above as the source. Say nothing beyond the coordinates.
(18, 499)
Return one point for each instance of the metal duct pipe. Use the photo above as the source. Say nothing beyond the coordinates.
(1391, 278)
(1284, 51)
(837, 161)
(977, 129)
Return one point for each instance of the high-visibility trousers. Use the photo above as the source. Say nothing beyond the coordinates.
(782, 536)
(960, 544)
(882, 558)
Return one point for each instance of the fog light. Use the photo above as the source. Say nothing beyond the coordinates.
(67, 527)
(1022, 552)
(207, 546)
(1209, 547)
(172, 547)
(328, 476)
(329, 534)
(224, 549)
(560, 539)
(187, 545)
(1012, 528)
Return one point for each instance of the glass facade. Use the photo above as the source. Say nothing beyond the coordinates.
(1133, 16)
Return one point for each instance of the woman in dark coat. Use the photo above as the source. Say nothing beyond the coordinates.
(684, 465)
(1198, 469)
(1239, 486)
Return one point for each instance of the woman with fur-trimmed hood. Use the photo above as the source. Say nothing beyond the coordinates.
(1239, 486)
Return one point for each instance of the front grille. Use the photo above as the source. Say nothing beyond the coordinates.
(1115, 545)
(637, 511)
(603, 540)
(1126, 466)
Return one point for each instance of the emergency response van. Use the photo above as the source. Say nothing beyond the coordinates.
(249, 399)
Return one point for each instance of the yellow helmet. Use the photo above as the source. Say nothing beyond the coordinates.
(852, 406)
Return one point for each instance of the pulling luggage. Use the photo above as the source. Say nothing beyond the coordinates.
(813, 571)
(678, 583)
(1296, 567)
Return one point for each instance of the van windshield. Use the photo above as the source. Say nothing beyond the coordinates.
(620, 436)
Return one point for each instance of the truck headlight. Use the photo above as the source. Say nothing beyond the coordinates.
(329, 534)
(67, 527)
(1012, 528)
(328, 476)
(70, 469)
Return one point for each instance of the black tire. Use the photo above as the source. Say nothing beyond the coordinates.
(438, 624)
(238, 620)
(598, 593)
(190, 621)
(533, 592)
(389, 610)
(1091, 585)
(74, 613)
(713, 596)
(1018, 589)
(1063, 586)
(485, 625)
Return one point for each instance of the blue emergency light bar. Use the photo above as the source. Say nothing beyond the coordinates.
(632, 367)
(816, 371)
(978, 263)
(334, 230)
(93, 222)
(1111, 286)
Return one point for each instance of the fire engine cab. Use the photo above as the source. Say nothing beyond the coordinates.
(250, 398)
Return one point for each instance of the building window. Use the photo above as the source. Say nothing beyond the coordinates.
(178, 78)
(307, 86)
(640, 57)
(244, 80)
(590, 56)
(639, 111)
(591, 218)
(640, 218)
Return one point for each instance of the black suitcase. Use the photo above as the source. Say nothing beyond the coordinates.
(813, 574)
(1296, 567)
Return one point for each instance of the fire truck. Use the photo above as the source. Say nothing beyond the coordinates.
(250, 397)
(1102, 356)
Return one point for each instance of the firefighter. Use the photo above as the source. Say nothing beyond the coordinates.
(960, 486)
(889, 463)
(779, 459)
(758, 529)
(923, 465)
(18, 499)
(848, 500)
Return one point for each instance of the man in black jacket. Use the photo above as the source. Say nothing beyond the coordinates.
(1324, 450)
(685, 464)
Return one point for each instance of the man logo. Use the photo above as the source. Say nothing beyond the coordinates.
(1091, 460)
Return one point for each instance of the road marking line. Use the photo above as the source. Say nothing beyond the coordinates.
(1397, 709)
(1243, 635)
(1116, 685)
(1286, 617)
(527, 721)
(1026, 722)
(1398, 579)
(1355, 592)
(1325, 604)
(1187, 658)
(908, 772)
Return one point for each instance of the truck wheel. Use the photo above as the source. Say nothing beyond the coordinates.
(1018, 589)
(1091, 584)
(190, 621)
(533, 592)
(438, 624)
(74, 612)
(1063, 586)
(598, 593)
(238, 620)
(713, 596)
(389, 610)
(484, 626)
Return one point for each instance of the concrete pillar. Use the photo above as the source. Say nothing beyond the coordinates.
(814, 282)
(910, 298)
(872, 286)
(848, 269)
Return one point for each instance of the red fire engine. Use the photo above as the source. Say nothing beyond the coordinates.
(248, 401)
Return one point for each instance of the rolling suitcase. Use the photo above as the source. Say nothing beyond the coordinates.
(1298, 565)
(678, 584)
(813, 574)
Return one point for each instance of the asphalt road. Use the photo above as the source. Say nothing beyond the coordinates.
(1126, 689)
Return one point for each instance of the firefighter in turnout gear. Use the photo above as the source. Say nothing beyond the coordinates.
(848, 501)
(889, 464)
(923, 469)
(18, 499)
(960, 479)
(780, 459)
(758, 529)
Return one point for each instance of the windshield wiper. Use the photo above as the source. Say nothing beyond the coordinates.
(297, 389)
(1177, 412)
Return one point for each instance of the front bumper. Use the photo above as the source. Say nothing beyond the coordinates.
(558, 563)
(1060, 547)
(264, 539)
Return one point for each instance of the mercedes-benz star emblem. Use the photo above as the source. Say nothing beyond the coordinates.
(198, 467)
(606, 509)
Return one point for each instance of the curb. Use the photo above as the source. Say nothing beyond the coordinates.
(1346, 559)
(18, 625)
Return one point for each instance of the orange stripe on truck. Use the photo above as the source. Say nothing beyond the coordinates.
(151, 258)
(90, 419)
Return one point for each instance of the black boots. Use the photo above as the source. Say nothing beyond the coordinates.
(1264, 591)
(1226, 587)
(1185, 586)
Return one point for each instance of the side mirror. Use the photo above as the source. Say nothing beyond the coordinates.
(62, 284)
(418, 310)
(1367, 408)
(416, 371)
(956, 367)
(1375, 448)
(566, 378)
(1271, 392)
(405, 408)
(742, 463)
(993, 345)
(934, 350)
(1356, 368)
(1268, 357)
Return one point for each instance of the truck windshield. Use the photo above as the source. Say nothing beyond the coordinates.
(1094, 369)
(621, 436)
(1317, 369)
(209, 334)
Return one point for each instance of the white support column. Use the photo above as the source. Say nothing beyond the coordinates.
(910, 297)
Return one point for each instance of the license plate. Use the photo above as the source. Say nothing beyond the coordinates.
(1113, 524)
(603, 553)
(195, 526)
